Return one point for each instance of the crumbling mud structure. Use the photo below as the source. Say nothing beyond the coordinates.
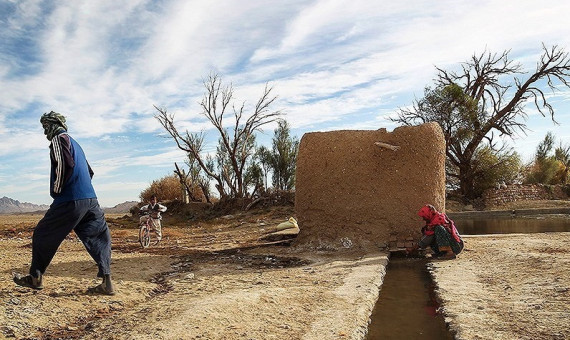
(364, 188)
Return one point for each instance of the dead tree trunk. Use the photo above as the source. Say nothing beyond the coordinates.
(187, 192)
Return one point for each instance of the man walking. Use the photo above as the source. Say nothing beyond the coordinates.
(75, 207)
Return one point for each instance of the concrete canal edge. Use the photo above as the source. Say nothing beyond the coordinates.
(359, 293)
(361, 286)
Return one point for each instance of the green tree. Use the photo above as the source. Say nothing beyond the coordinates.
(492, 167)
(562, 155)
(235, 144)
(550, 165)
(544, 166)
(254, 178)
(476, 104)
(264, 158)
(283, 158)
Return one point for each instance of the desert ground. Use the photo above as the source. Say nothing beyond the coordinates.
(215, 279)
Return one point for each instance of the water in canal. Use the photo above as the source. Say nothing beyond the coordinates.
(407, 306)
(511, 225)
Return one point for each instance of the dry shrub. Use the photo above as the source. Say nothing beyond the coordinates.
(167, 188)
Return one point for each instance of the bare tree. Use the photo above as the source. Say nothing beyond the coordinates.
(197, 178)
(474, 103)
(185, 181)
(235, 145)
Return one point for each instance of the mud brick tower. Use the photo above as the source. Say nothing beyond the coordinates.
(351, 192)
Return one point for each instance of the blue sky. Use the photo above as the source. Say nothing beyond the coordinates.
(334, 65)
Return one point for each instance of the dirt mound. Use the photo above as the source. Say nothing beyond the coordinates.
(351, 192)
(178, 210)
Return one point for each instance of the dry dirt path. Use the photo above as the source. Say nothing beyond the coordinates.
(508, 287)
(220, 295)
(197, 285)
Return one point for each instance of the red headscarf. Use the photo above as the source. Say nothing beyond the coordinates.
(427, 212)
(433, 217)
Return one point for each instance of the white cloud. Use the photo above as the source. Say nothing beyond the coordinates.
(106, 63)
(22, 142)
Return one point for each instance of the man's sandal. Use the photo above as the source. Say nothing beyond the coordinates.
(100, 290)
(28, 281)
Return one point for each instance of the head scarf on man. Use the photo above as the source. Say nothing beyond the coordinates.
(53, 123)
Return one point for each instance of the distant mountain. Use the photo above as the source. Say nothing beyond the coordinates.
(121, 207)
(10, 206)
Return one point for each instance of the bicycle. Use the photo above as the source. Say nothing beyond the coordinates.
(144, 232)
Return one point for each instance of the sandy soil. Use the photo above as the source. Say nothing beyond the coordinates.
(508, 287)
(215, 280)
(205, 281)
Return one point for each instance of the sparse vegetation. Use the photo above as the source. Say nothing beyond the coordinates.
(239, 169)
(492, 167)
(476, 104)
(166, 188)
(550, 165)
(236, 145)
(283, 157)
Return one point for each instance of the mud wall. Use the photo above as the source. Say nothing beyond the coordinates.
(353, 193)
(519, 192)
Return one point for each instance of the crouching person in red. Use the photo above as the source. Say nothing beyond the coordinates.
(439, 233)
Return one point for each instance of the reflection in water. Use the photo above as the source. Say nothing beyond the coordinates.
(407, 307)
(508, 225)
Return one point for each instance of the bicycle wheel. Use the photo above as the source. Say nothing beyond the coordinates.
(144, 236)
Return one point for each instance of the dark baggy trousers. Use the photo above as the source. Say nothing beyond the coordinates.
(440, 238)
(86, 218)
